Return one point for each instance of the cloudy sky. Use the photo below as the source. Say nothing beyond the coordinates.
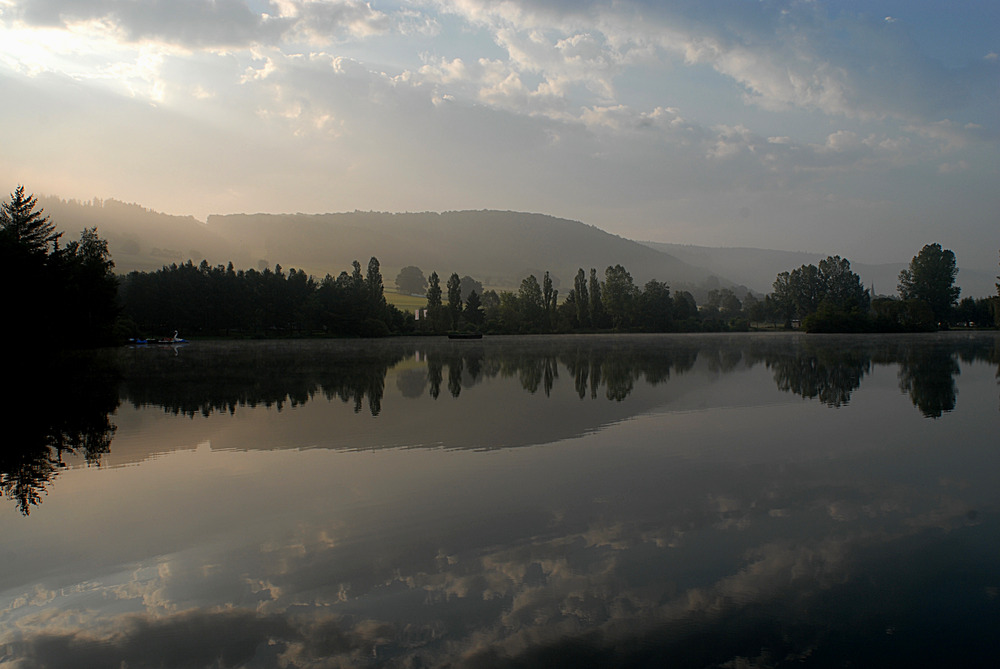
(865, 128)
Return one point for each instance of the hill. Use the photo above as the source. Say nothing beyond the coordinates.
(497, 247)
(140, 238)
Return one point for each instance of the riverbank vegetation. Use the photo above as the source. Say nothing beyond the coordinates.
(69, 296)
(831, 298)
(56, 295)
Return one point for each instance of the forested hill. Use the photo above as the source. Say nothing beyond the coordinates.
(140, 238)
(498, 248)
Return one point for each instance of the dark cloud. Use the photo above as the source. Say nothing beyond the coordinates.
(193, 639)
(199, 638)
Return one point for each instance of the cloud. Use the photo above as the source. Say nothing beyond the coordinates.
(210, 23)
(322, 22)
(953, 168)
(621, 114)
(192, 23)
(947, 134)
(784, 56)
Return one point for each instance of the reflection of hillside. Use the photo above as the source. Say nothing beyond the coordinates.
(208, 378)
(410, 385)
(513, 391)
(211, 378)
(611, 563)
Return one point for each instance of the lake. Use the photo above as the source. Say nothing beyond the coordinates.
(586, 501)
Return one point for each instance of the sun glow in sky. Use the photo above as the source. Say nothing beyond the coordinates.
(862, 128)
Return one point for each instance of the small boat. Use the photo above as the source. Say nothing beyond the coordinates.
(465, 335)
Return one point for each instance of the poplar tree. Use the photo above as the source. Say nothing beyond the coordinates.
(434, 300)
(582, 300)
(376, 291)
(596, 303)
(454, 298)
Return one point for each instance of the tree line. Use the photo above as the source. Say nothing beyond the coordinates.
(614, 303)
(221, 300)
(69, 296)
(226, 379)
(56, 295)
(828, 297)
(831, 298)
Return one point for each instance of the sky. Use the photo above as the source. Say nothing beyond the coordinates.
(862, 128)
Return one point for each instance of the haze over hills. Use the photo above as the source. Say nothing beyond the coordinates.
(498, 248)
(757, 268)
(139, 238)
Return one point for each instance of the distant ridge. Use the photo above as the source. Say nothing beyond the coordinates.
(497, 247)
(140, 238)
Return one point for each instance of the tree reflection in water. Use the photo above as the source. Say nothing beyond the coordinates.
(222, 377)
(928, 375)
(660, 518)
(817, 371)
(40, 435)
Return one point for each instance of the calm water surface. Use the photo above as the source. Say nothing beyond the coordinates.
(691, 501)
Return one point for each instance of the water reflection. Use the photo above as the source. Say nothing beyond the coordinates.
(213, 378)
(928, 376)
(817, 370)
(686, 510)
(222, 377)
(41, 436)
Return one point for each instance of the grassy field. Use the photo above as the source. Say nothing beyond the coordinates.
(405, 302)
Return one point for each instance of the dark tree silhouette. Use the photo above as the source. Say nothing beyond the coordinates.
(55, 297)
(582, 299)
(411, 280)
(454, 299)
(24, 227)
(473, 309)
(434, 307)
(931, 278)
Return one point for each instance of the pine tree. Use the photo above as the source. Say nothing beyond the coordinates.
(22, 226)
